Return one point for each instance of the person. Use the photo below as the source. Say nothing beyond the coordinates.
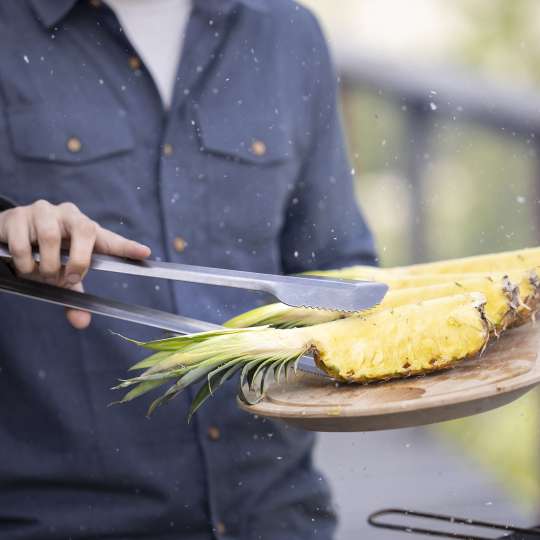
(204, 133)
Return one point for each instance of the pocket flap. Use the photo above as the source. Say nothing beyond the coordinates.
(255, 139)
(43, 132)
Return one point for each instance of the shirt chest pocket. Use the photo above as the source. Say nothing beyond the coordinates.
(250, 166)
(61, 152)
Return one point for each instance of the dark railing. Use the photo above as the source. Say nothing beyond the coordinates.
(433, 95)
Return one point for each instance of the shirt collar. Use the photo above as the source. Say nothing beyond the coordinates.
(51, 12)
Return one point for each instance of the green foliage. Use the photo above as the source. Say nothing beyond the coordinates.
(502, 38)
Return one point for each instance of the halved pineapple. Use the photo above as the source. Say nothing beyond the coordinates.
(410, 339)
(422, 325)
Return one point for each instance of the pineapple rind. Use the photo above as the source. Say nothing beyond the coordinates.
(522, 259)
(529, 288)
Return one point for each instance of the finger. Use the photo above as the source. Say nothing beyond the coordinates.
(16, 231)
(82, 233)
(111, 243)
(77, 318)
(49, 238)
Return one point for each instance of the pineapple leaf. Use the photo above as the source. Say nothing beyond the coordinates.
(218, 372)
(205, 392)
(279, 368)
(177, 343)
(191, 377)
(247, 372)
(282, 316)
(258, 316)
(146, 377)
(244, 396)
(208, 389)
(214, 356)
(268, 377)
(139, 390)
(262, 367)
(150, 360)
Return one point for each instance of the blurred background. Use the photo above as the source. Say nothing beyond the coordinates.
(441, 103)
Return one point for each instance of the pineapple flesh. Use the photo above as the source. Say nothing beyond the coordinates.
(410, 339)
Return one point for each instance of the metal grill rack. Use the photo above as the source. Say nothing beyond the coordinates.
(458, 529)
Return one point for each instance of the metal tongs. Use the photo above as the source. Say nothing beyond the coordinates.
(296, 291)
(306, 291)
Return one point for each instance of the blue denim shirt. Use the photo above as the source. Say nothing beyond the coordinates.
(247, 170)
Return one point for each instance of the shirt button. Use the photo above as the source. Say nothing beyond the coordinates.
(258, 148)
(220, 528)
(213, 433)
(167, 149)
(74, 145)
(179, 244)
(134, 63)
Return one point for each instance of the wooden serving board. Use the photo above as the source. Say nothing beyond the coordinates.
(508, 369)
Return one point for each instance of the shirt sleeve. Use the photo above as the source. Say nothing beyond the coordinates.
(324, 227)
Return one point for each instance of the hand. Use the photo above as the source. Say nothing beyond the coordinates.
(48, 226)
